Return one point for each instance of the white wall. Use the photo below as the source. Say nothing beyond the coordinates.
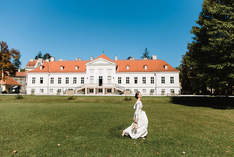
(105, 68)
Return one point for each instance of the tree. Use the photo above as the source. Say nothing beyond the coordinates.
(145, 54)
(210, 57)
(9, 60)
(46, 56)
(129, 57)
(39, 55)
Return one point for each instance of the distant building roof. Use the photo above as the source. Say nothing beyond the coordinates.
(21, 74)
(31, 63)
(9, 81)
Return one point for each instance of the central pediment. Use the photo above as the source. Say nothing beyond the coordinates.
(100, 61)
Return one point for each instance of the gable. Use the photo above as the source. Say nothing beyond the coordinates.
(100, 61)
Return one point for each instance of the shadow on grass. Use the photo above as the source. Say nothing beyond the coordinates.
(116, 131)
(202, 101)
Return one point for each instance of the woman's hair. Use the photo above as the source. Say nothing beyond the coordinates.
(136, 95)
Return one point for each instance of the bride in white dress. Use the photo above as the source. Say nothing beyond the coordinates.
(139, 127)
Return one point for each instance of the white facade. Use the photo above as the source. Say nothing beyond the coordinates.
(101, 77)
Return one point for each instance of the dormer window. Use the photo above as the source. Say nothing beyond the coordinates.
(145, 67)
(41, 67)
(127, 67)
(165, 67)
(77, 67)
(61, 67)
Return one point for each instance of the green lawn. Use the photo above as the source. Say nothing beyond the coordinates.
(91, 126)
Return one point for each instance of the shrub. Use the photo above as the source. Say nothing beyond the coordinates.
(126, 98)
(19, 96)
(71, 98)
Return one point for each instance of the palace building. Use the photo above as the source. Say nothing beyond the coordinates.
(102, 76)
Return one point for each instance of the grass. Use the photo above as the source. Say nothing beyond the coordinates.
(91, 126)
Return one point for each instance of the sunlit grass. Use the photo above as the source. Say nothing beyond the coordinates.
(92, 126)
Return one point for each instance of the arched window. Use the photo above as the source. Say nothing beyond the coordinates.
(77, 67)
(145, 67)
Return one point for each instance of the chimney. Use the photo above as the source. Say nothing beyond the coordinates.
(18, 70)
(31, 60)
(116, 58)
(131, 58)
(145, 58)
(154, 57)
(78, 59)
(91, 58)
(60, 60)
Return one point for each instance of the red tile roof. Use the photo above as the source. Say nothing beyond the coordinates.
(31, 63)
(21, 74)
(134, 66)
(55, 67)
(104, 57)
(143, 66)
(9, 81)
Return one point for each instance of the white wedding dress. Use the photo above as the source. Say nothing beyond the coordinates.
(141, 128)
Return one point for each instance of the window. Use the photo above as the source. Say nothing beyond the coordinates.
(127, 67)
(41, 80)
(41, 90)
(91, 90)
(59, 80)
(135, 90)
(91, 79)
(77, 67)
(163, 92)
(74, 80)
(135, 80)
(127, 80)
(109, 79)
(151, 91)
(108, 90)
(32, 91)
(59, 91)
(51, 80)
(67, 80)
(172, 80)
(163, 79)
(82, 80)
(119, 80)
(145, 67)
(172, 91)
(61, 67)
(144, 90)
(51, 90)
(144, 80)
(100, 90)
(152, 80)
(33, 80)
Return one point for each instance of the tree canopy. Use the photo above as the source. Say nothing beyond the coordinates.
(9, 60)
(207, 67)
(145, 54)
(44, 57)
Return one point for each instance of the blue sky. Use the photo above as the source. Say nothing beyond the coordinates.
(82, 28)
